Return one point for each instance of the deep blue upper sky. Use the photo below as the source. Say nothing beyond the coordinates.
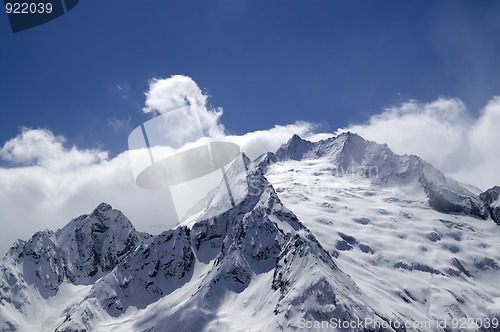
(264, 62)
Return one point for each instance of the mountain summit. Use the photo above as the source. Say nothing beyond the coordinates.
(350, 153)
(334, 235)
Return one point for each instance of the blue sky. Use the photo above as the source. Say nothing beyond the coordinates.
(421, 76)
(264, 62)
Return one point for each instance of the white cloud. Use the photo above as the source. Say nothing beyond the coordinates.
(41, 147)
(171, 93)
(483, 151)
(485, 134)
(443, 133)
(177, 91)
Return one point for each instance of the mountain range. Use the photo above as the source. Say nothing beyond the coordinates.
(340, 234)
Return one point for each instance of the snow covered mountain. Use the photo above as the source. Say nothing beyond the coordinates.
(337, 233)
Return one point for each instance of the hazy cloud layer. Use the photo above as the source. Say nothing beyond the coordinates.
(49, 182)
(52, 184)
(444, 133)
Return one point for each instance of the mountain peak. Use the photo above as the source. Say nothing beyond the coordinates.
(81, 252)
(296, 137)
(350, 154)
(295, 140)
(103, 207)
(349, 135)
(294, 149)
(102, 217)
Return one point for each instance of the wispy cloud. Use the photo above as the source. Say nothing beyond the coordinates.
(122, 89)
(120, 125)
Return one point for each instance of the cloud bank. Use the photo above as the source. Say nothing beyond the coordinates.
(41, 147)
(50, 184)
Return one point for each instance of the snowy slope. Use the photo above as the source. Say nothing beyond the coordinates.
(256, 260)
(350, 155)
(340, 230)
(424, 265)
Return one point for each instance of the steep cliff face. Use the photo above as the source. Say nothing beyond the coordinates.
(492, 199)
(97, 242)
